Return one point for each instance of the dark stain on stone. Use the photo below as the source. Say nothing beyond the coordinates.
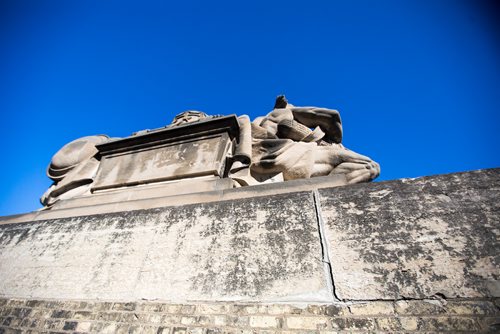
(282, 227)
(70, 325)
(398, 222)
(7, 321)
(60, 314)
(282, 221)
(21, 312)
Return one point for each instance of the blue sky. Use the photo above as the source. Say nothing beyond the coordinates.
(417, 82)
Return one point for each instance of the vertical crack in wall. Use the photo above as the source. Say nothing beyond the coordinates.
(324, 246)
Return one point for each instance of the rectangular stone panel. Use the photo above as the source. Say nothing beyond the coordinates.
(431, 237)
(178, 160)
(170, 153)
(253, 249)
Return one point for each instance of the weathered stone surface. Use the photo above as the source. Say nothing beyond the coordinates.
(256, 249)
(432, 240)
(184, 159)
(162, 195)
(229, 317)
(172, 188)
(415, 238)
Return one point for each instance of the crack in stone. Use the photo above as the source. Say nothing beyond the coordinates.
(324, 246)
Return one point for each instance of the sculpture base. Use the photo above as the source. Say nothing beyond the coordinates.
(163, 189)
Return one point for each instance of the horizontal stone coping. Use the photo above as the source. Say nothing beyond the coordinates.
(203, 197)
(184, 199)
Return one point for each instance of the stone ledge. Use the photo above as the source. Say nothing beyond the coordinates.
(125, 201)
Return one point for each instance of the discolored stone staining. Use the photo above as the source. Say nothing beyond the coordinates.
(248, 246)
(6, 236)
(409, 235)
(269, 226)
(410, 238)
(121, 232)
(17, 233)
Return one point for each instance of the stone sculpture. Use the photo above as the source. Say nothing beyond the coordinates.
(288, 143)
(72, 169)
(282, 142)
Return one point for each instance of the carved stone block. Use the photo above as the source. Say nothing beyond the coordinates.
(167, 154)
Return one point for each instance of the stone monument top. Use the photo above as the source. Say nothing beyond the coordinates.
(198, 152)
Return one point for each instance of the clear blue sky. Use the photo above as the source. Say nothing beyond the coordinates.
(417, 82)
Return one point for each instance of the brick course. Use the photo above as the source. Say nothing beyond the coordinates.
(430, 316)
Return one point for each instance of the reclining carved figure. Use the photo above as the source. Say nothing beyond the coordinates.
(283, 143)
(73, 169)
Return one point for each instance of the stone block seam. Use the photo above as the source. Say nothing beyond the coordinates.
(324, 246)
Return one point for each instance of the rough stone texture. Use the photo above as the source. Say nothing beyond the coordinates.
(433, 236)
(264, 248)
(36, 316)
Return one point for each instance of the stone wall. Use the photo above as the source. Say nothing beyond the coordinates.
(150, 317)
(404, 255)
